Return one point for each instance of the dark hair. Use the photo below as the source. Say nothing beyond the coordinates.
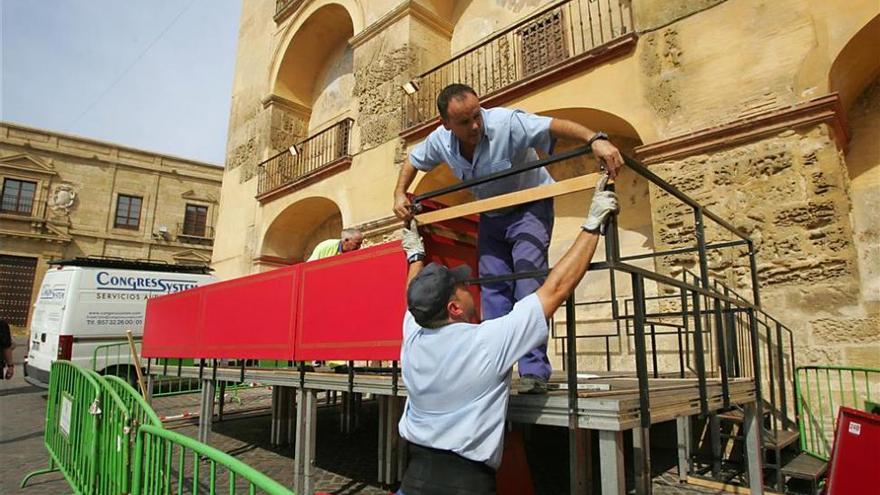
(454, 90)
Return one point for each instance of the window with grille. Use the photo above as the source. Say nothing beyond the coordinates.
(128, 212)
(18, 196)
(195, 220)
(542, 43)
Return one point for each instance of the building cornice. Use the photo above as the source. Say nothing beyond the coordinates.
(405, 8)
(823, 110)
(51, 136)
(292, 106)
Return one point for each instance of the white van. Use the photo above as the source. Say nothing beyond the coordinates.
(85, 303)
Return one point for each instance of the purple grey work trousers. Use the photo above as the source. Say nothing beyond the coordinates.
(516, 241)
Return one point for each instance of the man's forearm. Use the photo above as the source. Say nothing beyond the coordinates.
(566, 129)
(405, 178)
(568, 272)
(414, 268)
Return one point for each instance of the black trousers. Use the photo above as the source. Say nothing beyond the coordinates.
(441, 472)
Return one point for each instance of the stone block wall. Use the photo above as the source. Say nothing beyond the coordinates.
(789, 194)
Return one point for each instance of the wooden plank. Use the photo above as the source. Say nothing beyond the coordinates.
(567, 186)
(806, 467)
(725, 488)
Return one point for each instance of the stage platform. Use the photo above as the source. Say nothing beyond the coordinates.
(608, 403)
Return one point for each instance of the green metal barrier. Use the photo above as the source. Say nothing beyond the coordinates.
(141, 412)
(821, 390)
(168, 462)
(72, 426)
(113, 471)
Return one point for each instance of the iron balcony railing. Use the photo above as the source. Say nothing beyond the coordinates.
(526, 49)
(195, 231)
(312, 155)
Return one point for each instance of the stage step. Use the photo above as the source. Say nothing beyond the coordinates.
(805, 467)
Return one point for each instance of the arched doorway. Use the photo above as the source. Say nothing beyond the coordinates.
(293, 234)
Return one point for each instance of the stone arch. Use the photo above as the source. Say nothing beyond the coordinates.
(857, 64)
(313, 70)
(635, 215)
(855, 74)
(297, 229)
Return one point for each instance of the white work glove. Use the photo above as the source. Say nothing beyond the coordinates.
(412, 242)
(604, 205)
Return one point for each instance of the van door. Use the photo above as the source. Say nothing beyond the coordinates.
(48, 318)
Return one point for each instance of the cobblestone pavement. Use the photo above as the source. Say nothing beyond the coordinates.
(345, 464)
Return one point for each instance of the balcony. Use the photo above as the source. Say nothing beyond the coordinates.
(191, 233)
(554, 43)
(314, 158)
(283, 8)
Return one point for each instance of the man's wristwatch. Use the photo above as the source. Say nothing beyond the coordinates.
(416, 257)
(599, 135)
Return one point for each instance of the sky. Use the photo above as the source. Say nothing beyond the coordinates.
(149, 74)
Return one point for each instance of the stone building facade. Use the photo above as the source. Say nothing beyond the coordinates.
(764, 111)
(66, 196)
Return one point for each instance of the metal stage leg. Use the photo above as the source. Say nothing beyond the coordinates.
(382, 402)
(754, 451)
(611, 457)
(715, 443)
(683, 426)
(305, 440)
(206, 412)
(642, 459)
(390, 442)
(583, 467)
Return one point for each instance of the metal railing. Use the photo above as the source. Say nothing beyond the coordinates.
(113, 441)
(526, 49)
(821, 391)
(115, 360)
(71, 432)
(702, 321)
(92, 422)
(312, 155)
(197, 232)
(168, 462)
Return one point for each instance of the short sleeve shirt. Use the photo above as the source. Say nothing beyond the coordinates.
(325, 249)
(458, 379)
(510, 138)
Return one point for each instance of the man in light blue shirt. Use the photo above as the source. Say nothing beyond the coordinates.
(457, 374)
(475, 142)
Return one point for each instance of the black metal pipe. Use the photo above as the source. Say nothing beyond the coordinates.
(721, 347)
(783, 399)
(638, 289)
(669, 252)
(699, 357)
(571, 372)
(642, 170)
(753, 269)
